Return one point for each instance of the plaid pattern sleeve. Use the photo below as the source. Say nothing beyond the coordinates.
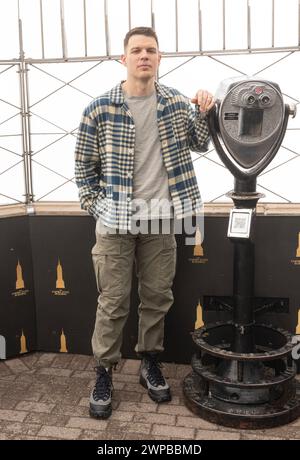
(87, 164)
(198, 134)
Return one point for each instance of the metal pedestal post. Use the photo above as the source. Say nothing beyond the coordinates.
(243, 375)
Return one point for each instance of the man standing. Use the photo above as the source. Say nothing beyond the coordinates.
(132, 157)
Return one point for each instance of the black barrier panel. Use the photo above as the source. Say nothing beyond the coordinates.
(17, 305)
(207, 268)
(65, 288)
(210, 274)
(277, 266)
(66, 294)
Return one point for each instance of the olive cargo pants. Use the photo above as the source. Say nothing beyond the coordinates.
(113, 258)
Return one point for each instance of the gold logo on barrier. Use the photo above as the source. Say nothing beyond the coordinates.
(23, 346)
(199, 316)
(297, 261)
(298, 325)
(63, 342)
(60, 284)
(20, 285)
(20, 282)
(298, 248)
(198, 250)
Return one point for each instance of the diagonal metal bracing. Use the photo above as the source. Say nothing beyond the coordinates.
(56, 91)
(11, 198)
(292, 98)
(227, 65)
(219, 196)
(63, 86)
(73, 79)
(51, 170)
(49, 145)
(201, 155)
(273, 63)
(10, 103)
(5, 101)
(177, 67)
(290, 150)
(205, 155)
(274, 193)
(10, 151)
(48, 121)
(10, 118)
(280, 165)
(64, 82)
(11, 167)
(8, 68)
(56, 188)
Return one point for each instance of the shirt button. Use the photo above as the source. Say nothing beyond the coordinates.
(131, 126)
(131, 151)
(164, 143)
(129, 175)
(128, 199)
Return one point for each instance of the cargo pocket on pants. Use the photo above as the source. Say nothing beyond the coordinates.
(106, 259)
(168, 258)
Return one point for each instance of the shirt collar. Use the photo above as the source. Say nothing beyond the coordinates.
(117, 95)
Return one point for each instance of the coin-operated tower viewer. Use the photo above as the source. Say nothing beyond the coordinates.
(243, 374)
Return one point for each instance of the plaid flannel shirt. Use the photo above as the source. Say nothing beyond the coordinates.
(104, 154)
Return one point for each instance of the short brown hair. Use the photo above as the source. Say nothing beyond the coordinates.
(147, 31)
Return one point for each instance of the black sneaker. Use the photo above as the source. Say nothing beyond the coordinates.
(152, 379)
(100, 399)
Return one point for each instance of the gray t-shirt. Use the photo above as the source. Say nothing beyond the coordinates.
(150, 178)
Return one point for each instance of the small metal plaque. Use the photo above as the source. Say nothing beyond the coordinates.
(240, 223)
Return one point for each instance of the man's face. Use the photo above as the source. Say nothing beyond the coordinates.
(141, 57)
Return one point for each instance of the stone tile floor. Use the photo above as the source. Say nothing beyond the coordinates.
(45, 396)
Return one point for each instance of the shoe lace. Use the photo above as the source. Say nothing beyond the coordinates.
(103, 384)
(154, 373)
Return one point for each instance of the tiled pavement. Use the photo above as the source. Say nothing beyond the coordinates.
(45, 396)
